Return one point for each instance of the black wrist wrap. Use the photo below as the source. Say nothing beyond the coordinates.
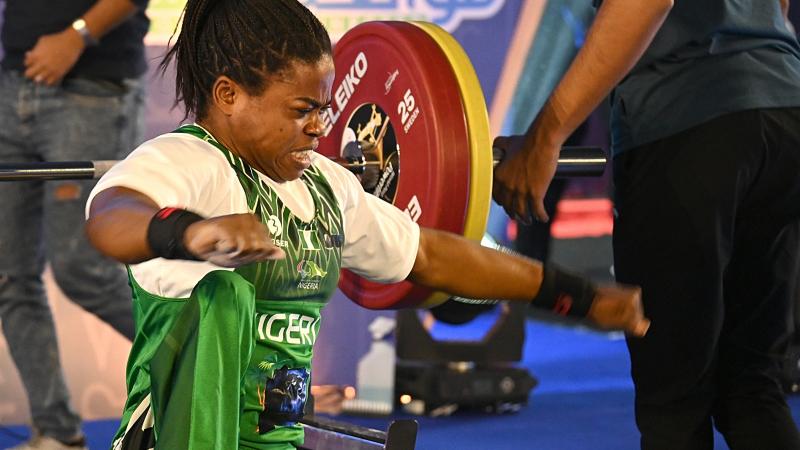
(564, 293)
(165, 233)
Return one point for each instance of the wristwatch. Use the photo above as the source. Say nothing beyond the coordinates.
(80, 26)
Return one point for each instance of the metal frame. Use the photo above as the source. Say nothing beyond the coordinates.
(327, 434)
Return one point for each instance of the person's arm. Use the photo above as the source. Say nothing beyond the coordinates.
(55, 54)
(455, 265)
(619, 35)
(785, 10)
(119, 226)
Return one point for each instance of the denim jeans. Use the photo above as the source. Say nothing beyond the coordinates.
(81, 119)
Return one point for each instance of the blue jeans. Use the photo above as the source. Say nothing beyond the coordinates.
(81, 119)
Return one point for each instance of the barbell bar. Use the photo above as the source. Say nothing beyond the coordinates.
(572, 162)
(55, 170)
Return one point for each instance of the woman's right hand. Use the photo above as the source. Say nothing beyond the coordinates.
(619, 307)
(231, 241)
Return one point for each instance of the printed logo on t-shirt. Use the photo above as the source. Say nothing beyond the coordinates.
(310, 274)
(275, 230)
(333, 240)
(307, 240)
(283, 398)
(274, 225)
(287, 328)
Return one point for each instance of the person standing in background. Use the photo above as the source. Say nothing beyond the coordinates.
(706, 142)
(71, 88)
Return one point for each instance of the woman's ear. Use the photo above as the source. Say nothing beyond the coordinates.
(224, 94)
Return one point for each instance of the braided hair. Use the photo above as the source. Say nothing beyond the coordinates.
(245, 40)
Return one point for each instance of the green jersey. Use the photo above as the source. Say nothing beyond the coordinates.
(287, 296)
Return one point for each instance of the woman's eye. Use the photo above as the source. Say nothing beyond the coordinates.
(306, 111)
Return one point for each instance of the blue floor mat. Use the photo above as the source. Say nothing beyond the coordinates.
(584, 400)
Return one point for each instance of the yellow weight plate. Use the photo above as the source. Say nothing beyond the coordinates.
(481, 164)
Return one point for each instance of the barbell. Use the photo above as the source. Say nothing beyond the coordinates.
(408, 117)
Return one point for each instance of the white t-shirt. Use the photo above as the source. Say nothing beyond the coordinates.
(180, 170)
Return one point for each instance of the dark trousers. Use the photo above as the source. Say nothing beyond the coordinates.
(708, 223)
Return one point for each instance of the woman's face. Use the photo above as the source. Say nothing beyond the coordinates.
(277, 130)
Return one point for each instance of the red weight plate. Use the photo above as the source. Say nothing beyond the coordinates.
(419, 158)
